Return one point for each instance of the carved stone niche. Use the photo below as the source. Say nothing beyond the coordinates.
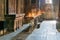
(10, 22)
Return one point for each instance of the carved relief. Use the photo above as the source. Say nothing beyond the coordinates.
(12, 6)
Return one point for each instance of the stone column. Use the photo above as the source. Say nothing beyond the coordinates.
(58, 20)
(59, 11)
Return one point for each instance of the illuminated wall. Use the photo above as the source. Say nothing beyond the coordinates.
(56, 7)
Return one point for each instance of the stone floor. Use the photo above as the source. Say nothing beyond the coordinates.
(13, 34)
(47, 31)
(21, 36)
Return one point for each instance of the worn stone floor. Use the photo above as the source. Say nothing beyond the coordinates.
(21, 36)
(47, 31)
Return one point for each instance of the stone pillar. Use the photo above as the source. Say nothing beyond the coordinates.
(58, 20)
(59, 11)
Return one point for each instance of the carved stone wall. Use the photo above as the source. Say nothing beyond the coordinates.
(11, 7)
(1, 10)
